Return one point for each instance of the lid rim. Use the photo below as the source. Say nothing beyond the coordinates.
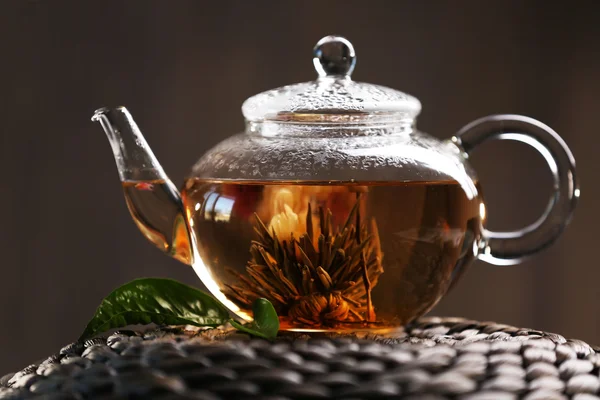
(359, 118)
(299, 129)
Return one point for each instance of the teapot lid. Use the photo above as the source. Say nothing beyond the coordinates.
(333, 98)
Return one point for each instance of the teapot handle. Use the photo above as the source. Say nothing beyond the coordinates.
(509, 248)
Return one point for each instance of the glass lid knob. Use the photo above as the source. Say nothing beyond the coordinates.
(334, 56)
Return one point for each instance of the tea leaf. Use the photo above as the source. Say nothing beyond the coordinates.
(155, 300)
(266, 321)
(336, 270)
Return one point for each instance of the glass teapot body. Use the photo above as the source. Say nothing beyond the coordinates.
(338, 231)
(332, 205)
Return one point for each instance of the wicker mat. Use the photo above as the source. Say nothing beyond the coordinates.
(437, 358)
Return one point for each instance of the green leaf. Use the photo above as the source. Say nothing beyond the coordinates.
(156, 300)
(248, 329)
(266, 321)
(265, 317)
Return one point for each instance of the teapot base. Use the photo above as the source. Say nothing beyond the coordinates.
(375, 328)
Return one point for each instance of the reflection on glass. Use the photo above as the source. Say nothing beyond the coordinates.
(217, 207)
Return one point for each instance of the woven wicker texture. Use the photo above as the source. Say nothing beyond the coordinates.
(437, 358)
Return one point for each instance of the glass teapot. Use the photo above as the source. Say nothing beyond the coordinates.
(332, 204)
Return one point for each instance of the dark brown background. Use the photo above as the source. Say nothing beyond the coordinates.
(183, 69)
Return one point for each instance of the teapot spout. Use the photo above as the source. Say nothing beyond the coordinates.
(152, 199)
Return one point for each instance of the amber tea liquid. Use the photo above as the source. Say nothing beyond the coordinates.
(164, 223)
(332, 256)
(329, 256)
